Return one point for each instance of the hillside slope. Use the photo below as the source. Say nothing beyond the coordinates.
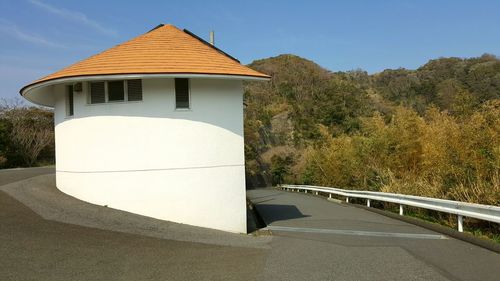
(433, 130)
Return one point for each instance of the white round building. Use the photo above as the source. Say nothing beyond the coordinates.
(153, 126)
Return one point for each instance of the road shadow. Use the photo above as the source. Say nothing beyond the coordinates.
(272, 212)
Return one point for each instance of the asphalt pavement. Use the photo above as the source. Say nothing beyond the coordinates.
(36, 248)
(12, 175)
(316, 239)
(48, 235)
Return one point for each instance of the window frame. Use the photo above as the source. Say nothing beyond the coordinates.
(188, 108)
(106, 92)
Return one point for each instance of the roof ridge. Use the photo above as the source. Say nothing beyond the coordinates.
(210, 45)
(156, 27)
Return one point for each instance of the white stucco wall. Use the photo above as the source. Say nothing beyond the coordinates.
(148, 158)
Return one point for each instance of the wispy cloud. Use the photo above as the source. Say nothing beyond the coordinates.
(12, 30)
(75, 17)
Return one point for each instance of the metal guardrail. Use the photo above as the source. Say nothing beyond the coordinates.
(461, 209)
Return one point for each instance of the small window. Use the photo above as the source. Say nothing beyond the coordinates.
(69, 101)
(97, 92)
(181, 93)
(134, 90)
(116, 91)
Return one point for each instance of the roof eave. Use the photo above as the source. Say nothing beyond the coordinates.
(81, 78)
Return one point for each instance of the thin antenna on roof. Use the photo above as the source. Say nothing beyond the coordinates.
(212, 38)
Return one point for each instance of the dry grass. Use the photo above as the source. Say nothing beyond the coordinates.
(436, 155)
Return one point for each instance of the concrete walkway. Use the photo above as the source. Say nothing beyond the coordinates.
(315, 239)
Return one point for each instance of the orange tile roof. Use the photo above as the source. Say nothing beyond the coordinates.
(164, 50)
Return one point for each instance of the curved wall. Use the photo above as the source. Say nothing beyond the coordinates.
(148, 158)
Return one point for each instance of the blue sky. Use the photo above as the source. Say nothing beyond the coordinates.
(38, 37)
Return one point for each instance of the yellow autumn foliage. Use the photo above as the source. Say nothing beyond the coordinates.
(436, 155)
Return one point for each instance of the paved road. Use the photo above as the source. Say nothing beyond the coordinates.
(314, 239)
(13, 175)
(36, 245)
(47, 235)
(41, 196)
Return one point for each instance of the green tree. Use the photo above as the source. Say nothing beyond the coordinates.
(280, 168)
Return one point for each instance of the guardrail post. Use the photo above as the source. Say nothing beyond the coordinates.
(305, 191)
(401, 210)
(347, 199)
(316, 193)
(460, 223)
(330, 195)
(367, 202)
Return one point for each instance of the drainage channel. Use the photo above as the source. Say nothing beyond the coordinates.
(255, 224)
(356, 232)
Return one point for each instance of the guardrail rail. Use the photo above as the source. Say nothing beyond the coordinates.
(461, 209)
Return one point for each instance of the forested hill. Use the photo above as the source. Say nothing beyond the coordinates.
(429, 131)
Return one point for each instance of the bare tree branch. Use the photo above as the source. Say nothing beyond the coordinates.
(32, 128)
